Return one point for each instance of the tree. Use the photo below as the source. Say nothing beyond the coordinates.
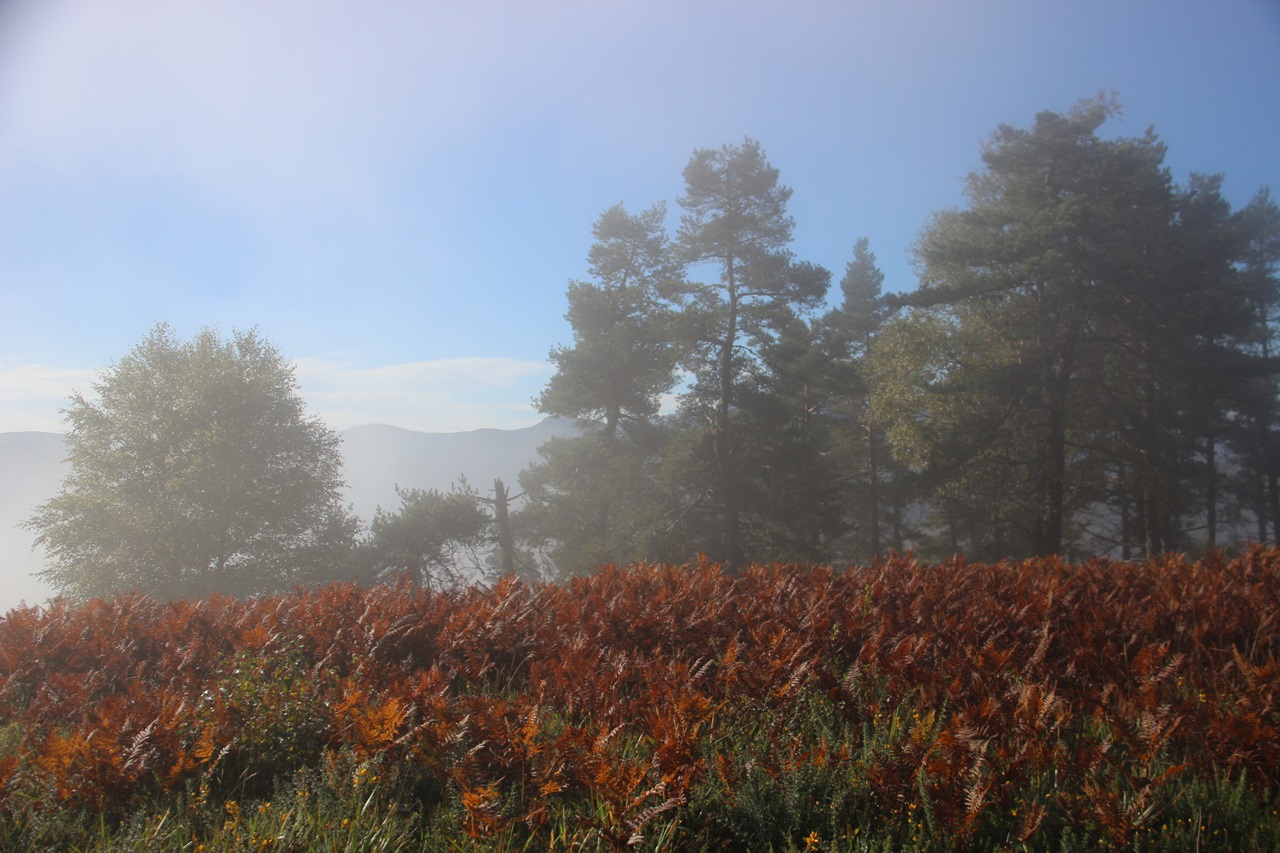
(196, 471)
(1046, 269)
(620, 362)
(1076, 339)
(737, 225)
(592, 500)
(434, 536)
(1256, 441)
(789, 491)
(849, 332)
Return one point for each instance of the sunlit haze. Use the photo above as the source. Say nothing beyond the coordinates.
(397, 193)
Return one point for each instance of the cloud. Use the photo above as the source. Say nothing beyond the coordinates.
(447, 395)
(32, 395)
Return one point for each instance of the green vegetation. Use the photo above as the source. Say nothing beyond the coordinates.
(1086, 367)
(196, 471)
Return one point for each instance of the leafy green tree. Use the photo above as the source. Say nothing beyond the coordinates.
(1211, 361)
(735, 229)
(434, 536)
(593, 499)
(938, 388)
(196, 471)
(1040, 259)
(1022, 290)
(1178, 357)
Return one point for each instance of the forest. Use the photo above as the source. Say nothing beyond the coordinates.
(1086, 367)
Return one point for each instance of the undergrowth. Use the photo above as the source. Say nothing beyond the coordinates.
(948, 707)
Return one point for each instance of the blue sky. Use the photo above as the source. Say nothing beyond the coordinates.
(396, 193)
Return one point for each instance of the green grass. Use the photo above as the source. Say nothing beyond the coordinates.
(778, 779)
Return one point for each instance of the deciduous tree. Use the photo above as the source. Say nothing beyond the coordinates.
(195, 471)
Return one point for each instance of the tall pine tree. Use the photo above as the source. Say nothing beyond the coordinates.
(735, 232)
(592, 500)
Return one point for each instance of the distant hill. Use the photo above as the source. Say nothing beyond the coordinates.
(377, 458)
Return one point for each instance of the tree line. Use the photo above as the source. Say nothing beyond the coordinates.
(1086, 366)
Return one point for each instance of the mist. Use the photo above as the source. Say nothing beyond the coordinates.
(377, 459)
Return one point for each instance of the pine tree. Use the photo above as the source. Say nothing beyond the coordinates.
(736, 230)
(592, 500)
(1075, 339)
(849, 331)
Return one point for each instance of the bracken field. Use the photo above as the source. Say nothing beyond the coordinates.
(1027, 705)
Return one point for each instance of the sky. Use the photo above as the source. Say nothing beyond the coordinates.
(396, 194)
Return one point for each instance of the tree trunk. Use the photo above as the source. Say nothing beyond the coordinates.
(1046, 532)
(1126, 518)
(1151, 545)
(506, 542)
(604, 509)
(952, 526)
(1211, 491)
(726, 461)
(873, 482)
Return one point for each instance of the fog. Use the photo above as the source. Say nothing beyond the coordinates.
(378, 458)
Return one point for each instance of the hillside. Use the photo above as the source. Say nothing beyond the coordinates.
(380, 457)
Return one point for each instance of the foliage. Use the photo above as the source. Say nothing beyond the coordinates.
(1077, 345)
(874, 493)
(735, 226)
(618, 365)
(196, 471)
(433, 537)
(1088, 366)
(952, 706)
(592, 499)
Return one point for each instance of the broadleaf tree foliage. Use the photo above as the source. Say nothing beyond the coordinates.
(196, 471)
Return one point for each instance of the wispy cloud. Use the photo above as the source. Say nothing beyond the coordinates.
(32, 396)
(447, 395)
